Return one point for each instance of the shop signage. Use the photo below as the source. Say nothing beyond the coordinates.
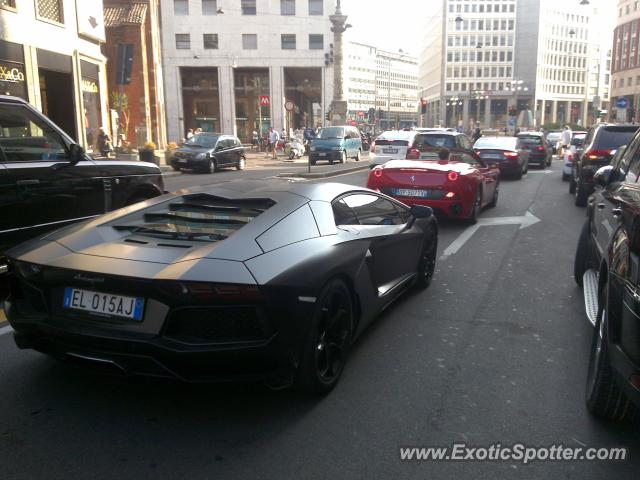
(11, 74)
(264, 100)
(622, 102)
(90, 19)
(89, 86)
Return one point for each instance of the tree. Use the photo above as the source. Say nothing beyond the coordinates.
(120, 102)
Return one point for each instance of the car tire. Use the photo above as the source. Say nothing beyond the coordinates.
(427, 263)
(581, 195)
(213, 166)
(572, 185)
(518, 176)
(312, 162)
(477, 207)
(242, 163)
(175, 169)
(584, 254)
(549, 162)
(603, 396)
(496, 193)
(526, 168)
(358, 156)
(343, 158)
(565, 177)
(328, 340)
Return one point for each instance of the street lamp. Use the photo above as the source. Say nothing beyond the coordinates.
(454, 102)
(477, 96)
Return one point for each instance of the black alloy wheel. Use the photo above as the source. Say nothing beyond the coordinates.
(242, 162)
(329, 339)
(213, 166)
(584, 254)
(427, 263)
(343, 158)
(496, 193)
(581, 194)
(477, 207)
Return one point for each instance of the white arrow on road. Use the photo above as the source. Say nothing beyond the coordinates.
(540, 172)
(524, 221)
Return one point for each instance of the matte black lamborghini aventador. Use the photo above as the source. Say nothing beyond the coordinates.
(259, 281)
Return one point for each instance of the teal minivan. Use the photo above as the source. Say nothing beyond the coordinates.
(336, 144)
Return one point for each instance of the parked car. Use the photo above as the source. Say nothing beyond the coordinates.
(47, 180)
(539, 150)
(208, 152)
(390, 145)
(570, 154)
(607, 264)
(507, 152)
(601, 142)
(554, 139)
(456, 188)
(258, 280)
(336, 144)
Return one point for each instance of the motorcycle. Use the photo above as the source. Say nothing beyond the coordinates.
(294, 149)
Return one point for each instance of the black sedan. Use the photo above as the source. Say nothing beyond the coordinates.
(507, 152)
(208, 152)
(540, 152)
(266, 281)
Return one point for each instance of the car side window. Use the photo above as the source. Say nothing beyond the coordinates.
(24, 137)
(373, 210)
(343, 214)
(633, 168)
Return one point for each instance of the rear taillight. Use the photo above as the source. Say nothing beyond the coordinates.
(511, 155)
(541, 149)
(452, 176)
(595, 155)
(377, 172)
(478, 152)
(208, 291)
(413, 154)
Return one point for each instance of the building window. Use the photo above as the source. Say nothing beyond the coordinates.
(183, 41)
(50, 10)
(248, 7)
(209, 7)
(288, 42)
(316, 7)
(249, 41)
(8, 3)
(316, 42)
(210, 41)
(287, 7)
(181, 7)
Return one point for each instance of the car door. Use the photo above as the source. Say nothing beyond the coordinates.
(42, 188)
(394, 247)
(609, 201)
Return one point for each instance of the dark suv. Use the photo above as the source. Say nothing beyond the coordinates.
(607, 265)
(599, 147)
(539, 150)
(47, 180)
(208, 152)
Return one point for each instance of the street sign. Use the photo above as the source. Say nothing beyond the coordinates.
(622, 102)
(264, 100)
(289, 106)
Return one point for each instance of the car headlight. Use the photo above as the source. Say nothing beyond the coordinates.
(313, 149)
(336, 148)
(201, 156)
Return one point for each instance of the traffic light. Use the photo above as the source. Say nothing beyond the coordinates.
(380, 113)
(125, 63)
(372, 115)
(423, 106)
(327, 116)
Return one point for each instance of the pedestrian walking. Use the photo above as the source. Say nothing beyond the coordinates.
(255, 140)
(274, 138)
(189, 133)
(104, 142)
(566, 138)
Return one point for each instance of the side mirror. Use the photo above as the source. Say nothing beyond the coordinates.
(76, 154)
(603, 176)
(421, 211)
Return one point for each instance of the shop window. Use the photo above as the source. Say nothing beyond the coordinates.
(210, 41)
(181, 7)
(50, 10)
(200, 96)
(183, 41)
(248, 7)
(209, 7)
(316, 7)
(288, 42)
(316, 42)
(287, 7)
(249, 41)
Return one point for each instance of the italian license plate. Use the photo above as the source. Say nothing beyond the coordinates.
(322, 154)
(182, 160)
(390, 150)
(495, 156)
(103, 303)
(407, 192)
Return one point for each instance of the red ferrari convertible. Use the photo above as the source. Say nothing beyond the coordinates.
(456, 188)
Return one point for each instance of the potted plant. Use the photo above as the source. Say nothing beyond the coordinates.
(146, 153)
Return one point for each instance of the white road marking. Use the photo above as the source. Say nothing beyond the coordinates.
(524, 221)
(540, 172)
(5, 330)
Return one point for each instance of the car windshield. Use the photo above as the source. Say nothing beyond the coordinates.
(202, 140)
(428, 141)
(202, 218)
(531, 140)
(553, 136)
(331, 132)
(499, 143)
(610, 139)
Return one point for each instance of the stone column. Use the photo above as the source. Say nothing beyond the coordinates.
(487, 113)
(554, 111)
(543, 111)
(465, 114)
(227, 100)
(339, 104)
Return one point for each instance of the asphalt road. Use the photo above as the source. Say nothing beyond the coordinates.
(495, 351)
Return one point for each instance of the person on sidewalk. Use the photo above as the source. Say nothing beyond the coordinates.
(566, 138)
(255, 143)
(104, 143)
(274, 138)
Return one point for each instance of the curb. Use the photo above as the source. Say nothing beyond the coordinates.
(329, 174)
